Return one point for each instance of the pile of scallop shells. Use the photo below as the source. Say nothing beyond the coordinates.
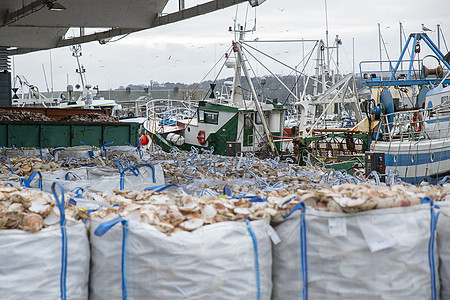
(21, 115)
(25, 165)
(350, 198)
(171, 212)
(31, 210)
(90, 118)
(184, 170)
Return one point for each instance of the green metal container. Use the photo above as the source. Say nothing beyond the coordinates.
(52, 134)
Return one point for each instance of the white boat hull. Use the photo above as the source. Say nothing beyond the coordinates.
(415, 161)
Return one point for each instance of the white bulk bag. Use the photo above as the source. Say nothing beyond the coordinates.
(102, 179)
(378, 254)
(443, 243)
(217, 261)
(77, 152)
(32, 263)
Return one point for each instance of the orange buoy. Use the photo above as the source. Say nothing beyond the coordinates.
(143, 140)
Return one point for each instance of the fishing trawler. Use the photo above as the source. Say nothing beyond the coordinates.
(227, 122)
(414, 140)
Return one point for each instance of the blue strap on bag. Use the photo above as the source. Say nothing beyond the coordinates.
(303, 248)
(27, 182)
(431, 243)
(255, 247)
(104, 228)
(62, 223)
(160, 188)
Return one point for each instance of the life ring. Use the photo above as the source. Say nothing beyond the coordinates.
(201, 137)
(417, 121)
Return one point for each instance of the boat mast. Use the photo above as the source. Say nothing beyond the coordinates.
(319, 67)
(237, 95)
(379, 46)
(401, 44)
(240, 65)
(328, 49)
(438, 29)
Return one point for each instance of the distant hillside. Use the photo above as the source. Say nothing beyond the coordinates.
(272, 89)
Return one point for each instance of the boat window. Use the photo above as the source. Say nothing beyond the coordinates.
(444, 99)
(248, 122)
(395, 158)
(211, 117)
(258, 119)
(201, 115)
(412, 157)
(432, 156)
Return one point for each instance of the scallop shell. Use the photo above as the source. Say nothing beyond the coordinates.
(164, 227)
(32, 222)
(188, 207)
(242, 211)
(259, 215)
(175, 217)
(14, 215)
(26, 168)
(192, 224)
(15, 208)
(209, 212)
(149, 217)
(39, 207)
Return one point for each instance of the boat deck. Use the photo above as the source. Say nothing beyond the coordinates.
(158, 126)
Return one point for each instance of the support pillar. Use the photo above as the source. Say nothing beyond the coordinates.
(5, 78)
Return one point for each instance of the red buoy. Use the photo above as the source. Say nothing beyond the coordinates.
(143, 140)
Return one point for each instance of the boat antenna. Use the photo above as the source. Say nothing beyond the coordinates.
(51, 71)
(246, 16)
(76, 52)
(234, 23)
(326, 32)
(45, 77)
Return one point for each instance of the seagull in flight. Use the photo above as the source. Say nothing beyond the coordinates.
(425, 28)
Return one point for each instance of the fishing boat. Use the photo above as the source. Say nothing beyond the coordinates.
(28, 95)
(226, 122)
(414, 138)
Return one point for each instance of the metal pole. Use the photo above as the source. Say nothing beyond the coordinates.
(255, 99)
(353, 52)
(439, 36)
(326, 20)
(337, 54)
(303, 76)
(379, 46)
(401, 44)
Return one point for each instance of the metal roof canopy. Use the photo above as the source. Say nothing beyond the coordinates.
(30, 25)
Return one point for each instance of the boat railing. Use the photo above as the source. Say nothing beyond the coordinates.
(167, 111)
(378, 71)
(421, 124)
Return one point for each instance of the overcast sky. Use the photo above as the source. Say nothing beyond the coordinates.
(186, 51)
